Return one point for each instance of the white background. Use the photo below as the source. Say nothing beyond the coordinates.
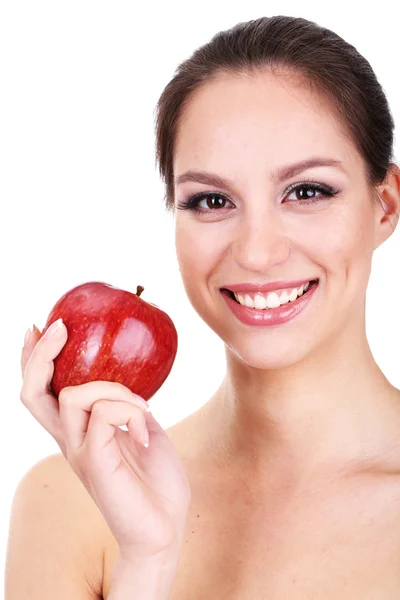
(81, 199)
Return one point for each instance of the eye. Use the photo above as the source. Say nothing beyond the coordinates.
(310, 188)
(214, 201)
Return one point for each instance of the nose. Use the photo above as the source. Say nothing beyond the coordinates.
(260, 243)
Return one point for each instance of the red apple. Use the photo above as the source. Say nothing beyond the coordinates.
(113, 335)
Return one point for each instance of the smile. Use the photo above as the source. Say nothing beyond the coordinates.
(256, 309)
(272, 299)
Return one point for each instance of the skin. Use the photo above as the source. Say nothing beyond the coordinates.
(299, 403)
(307, 396)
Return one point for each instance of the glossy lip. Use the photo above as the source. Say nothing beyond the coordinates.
(266, 287)
(271, 316)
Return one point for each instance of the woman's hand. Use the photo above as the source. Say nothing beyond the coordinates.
(142, 492)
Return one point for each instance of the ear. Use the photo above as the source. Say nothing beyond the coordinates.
(387, 211)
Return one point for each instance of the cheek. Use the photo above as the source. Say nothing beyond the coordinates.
(197, 250)
(343, 246)
(195, 255)
(352, 242)
(337, 240)
(185, 246)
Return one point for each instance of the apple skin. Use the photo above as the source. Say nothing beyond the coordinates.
(113, 335)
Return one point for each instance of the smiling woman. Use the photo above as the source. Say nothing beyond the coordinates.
(275, 143)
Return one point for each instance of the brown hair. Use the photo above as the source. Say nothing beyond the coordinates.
(317, 55)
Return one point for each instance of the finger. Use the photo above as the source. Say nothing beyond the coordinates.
(28, 347)
(38, 372)
(76, 403)
(105, 416)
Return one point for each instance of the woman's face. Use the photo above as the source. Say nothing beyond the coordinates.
(253, 229)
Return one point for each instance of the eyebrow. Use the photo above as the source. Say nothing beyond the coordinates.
(281, 174)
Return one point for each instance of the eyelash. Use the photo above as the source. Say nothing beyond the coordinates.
(326, 191)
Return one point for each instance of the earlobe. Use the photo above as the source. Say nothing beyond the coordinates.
(387, 205)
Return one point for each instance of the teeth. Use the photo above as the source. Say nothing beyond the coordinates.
(260, 301)
(284, 298)
(248, 301)
(272, 299)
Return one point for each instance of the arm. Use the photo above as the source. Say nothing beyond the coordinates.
(56, 534)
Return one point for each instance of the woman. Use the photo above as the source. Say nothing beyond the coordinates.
(275, 143)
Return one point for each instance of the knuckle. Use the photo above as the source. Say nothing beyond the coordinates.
(120, 388)
(99, 407)
(24, 396)
(123, 390)
(65, 395)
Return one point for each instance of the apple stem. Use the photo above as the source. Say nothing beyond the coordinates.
(139, 290)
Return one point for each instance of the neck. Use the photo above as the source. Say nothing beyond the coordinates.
(335, 408)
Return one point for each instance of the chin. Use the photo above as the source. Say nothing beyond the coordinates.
(262, 348)
(271, 359)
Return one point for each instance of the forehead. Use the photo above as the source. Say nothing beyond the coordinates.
(236, 119)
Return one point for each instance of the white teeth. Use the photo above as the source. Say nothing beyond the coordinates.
(260, 301)
(248, 301)
(284, 297)
(272, 299)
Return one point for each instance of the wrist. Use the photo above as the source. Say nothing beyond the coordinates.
(145, 578)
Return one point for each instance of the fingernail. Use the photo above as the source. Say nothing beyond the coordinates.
(27, 336)
(54, 327)
(144, 406)
(142, 403)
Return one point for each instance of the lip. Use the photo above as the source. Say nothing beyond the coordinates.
(272, 316)
(266, 287)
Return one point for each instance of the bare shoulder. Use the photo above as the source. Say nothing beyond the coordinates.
(58, 537)
(55, 536)
(54, 486)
